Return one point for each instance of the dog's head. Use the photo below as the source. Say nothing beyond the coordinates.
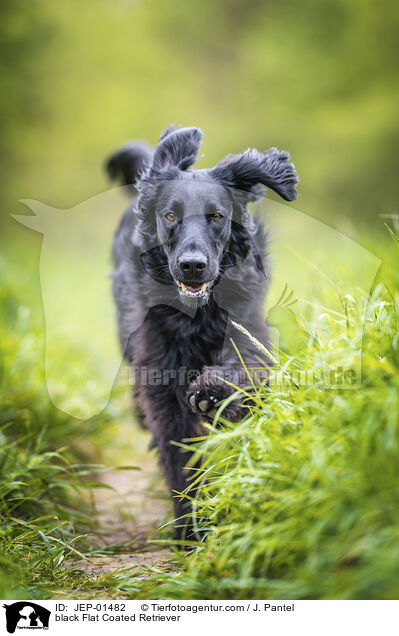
(199, 218)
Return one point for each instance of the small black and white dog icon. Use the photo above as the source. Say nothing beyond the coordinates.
(26, 615)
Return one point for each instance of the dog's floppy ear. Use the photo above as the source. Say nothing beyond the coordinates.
(252, 169)
(177, 148)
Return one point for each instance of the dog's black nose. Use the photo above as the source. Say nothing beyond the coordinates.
(192, 264)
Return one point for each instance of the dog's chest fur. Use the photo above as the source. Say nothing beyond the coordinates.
(181, 340)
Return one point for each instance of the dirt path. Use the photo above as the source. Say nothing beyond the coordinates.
(130, 514)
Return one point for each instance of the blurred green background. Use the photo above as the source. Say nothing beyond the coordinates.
(317, 78)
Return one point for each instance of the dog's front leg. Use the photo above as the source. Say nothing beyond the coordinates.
(217, 382)
(171, 421)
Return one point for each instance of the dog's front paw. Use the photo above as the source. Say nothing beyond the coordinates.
(205, 395)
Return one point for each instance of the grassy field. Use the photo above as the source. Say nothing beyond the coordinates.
(49, 461)
(300, 499)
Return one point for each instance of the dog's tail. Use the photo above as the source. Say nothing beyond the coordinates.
(128, 162)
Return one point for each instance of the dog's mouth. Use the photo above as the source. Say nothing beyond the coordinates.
(194, 290)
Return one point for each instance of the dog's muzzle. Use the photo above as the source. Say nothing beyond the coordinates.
(193, 291)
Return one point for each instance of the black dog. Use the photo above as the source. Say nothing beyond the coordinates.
(188, 264)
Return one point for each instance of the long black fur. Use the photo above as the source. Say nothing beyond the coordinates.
(162, 330)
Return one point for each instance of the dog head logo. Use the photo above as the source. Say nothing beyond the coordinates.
(26, 615)
(75, 271)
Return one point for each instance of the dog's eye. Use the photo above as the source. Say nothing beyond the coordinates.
(170, 216)
(216, 217)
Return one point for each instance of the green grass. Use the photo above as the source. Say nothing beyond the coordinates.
(48, 460)
(300, 499)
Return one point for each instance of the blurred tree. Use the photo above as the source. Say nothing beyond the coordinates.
(318, 78)
(24, 34)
